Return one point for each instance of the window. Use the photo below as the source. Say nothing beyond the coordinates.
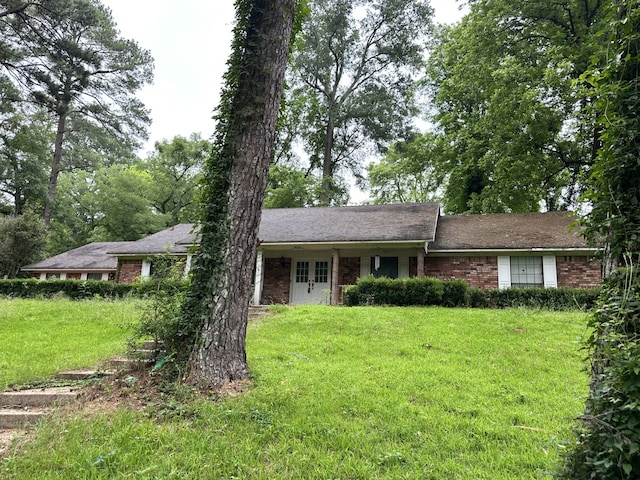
(94, 276)
(322, 272)
(384, 267)
(526, 272)
(53, 276)
(302, 272)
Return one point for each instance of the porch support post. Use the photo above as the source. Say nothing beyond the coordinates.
(420, 272)
(335, 268)
(257, 283)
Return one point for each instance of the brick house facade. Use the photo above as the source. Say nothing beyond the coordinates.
(306, 255)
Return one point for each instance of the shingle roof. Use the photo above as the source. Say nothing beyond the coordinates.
(517, 231)
(176, 239)
(88, 257)
(366, 223)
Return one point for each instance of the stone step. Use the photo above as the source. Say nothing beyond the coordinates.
(151, 345)
(84, 374)
(13, 418)
(38, 397)
(123, 363)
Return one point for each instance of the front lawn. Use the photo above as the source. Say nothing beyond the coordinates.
(351, 393)
(39, 338)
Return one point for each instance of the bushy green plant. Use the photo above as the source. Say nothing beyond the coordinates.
(160, 320)
(608, 440)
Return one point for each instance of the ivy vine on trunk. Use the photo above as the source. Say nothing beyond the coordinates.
(215, 311)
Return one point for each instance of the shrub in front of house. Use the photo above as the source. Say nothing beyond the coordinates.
(404, 292)
(80, 289)
(562, 298)
(456, 293)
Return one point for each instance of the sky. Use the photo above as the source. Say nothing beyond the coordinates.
(190, 43)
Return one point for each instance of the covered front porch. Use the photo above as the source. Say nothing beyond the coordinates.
(316, 274)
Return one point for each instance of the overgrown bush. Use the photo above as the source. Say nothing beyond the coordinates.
(608, 438)
(160, 319)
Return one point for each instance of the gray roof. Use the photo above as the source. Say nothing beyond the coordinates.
(509, 231)
(366, 223)
(91, 257)
(176, 239)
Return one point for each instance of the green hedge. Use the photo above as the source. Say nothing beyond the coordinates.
(80, 289)
(455, 293)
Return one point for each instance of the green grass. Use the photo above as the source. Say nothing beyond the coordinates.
(40, 338)
(352, 393)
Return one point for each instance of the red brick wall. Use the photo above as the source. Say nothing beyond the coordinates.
(349, 270)
(577, 271)
(277, 281)
(480, 272)
(128, 270)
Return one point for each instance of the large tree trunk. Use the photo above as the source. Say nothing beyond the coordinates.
(55, 171)
(219, 354)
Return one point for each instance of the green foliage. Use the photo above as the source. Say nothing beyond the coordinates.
(401, 292)
(69, 60)
(608, 444)
(352, 85)
(22, 241)
(175, 168)
(562, 298)
(511, 127)
(290, 187)
(455, 293)
(406, 174)
(83, 289)
(160, 317)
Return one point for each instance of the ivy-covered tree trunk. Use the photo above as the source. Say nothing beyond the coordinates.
(236, 176)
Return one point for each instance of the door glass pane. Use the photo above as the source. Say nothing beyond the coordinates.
(302, 272)
(322, 272)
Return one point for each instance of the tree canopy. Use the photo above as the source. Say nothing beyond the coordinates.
(512, 128)
(67, 58)
(352, 82)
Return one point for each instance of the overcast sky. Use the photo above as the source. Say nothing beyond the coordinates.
(190, 42)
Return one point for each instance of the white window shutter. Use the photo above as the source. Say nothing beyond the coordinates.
(365, 266)
(549, 271)
(504, 272)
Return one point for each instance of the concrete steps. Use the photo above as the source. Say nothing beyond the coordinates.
(25, 407)
(21, 408)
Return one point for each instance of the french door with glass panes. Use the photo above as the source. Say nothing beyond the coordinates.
(310, 281)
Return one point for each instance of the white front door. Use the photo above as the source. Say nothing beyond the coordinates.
(310, 281)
